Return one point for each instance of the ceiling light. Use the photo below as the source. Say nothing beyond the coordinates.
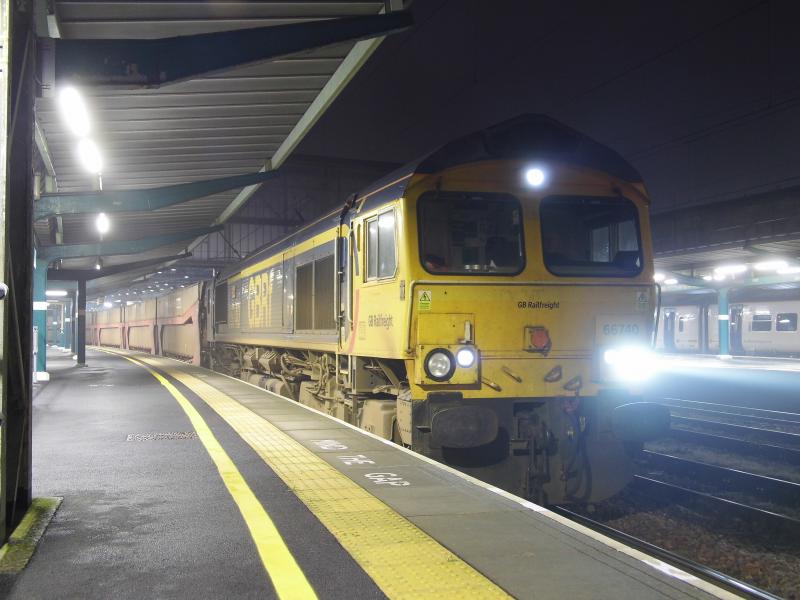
(89, 155)
(658, 277)
(707, 278)
(56, 293)
(730, 269)
(107, 304)
(670, 281)
(770, 265)
(102, 223)
(789, 271)
(98, 264)
(74, 111)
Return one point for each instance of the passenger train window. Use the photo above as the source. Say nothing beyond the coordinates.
(381, 247)
(681, 321)
(761, 323)
(786, 322)
(590, 236)
(470, 233)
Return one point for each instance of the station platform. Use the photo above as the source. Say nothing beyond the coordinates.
(182, 483)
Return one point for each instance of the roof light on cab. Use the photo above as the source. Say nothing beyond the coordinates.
(535, 177)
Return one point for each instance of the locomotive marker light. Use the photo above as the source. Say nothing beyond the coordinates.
(465, 358)
(630, 363)
(535, 177)
(439, 364)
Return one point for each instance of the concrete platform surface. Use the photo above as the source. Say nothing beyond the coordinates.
(151, 509)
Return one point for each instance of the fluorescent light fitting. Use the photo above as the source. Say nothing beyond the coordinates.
(670, 281)
(56, 293)
(89, 155)
(102, 223)
(789, 270)
(730, 269)
(73, 110)
(658, 277)
(770, 265)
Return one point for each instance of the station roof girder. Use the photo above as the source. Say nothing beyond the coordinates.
(229, 122)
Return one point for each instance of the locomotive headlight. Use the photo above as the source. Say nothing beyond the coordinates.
(534, 177)
(439, 364)
(630, 363)
(465, 358)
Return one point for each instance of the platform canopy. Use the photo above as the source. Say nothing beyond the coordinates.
(170, 112)
(750, 242)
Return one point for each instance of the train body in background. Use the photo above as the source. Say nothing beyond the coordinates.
(167, 326)
(479, 306)
(757, 328)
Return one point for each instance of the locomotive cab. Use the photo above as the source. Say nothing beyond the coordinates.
(530, 310)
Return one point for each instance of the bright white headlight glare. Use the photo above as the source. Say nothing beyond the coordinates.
(535, 177)
(465, 358)
(630, 363)
(439, 364)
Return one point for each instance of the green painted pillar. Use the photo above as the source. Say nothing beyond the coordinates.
(40, 317)
(724, 322)
(69, 309)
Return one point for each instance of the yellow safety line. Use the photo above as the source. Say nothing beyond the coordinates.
(284, 572)
(403, 560)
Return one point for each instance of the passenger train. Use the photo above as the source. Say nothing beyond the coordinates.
(756, 328)
(487, 306)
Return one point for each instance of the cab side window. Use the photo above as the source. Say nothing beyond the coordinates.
(381, 247)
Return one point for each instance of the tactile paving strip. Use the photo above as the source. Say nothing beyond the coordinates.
(404, 561)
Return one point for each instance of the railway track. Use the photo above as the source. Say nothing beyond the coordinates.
(737, 445)
(695, 568)
(712, 504)
(746, 432)
(733, 410)
(767, 490)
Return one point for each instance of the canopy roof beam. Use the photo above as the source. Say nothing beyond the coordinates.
(151, 63)
(140, 200)
(113, 248)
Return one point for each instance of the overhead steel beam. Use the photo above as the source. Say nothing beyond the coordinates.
(140, 200)
(121, 247)
(44, 149)
(135, 63)
(88, 274)
(354, 60)
(270, 221)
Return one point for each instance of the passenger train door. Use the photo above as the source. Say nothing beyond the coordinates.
(736, 322)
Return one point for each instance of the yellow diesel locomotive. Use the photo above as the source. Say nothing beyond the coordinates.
(488, 306)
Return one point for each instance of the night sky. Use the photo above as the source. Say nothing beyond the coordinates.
(703, 97)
